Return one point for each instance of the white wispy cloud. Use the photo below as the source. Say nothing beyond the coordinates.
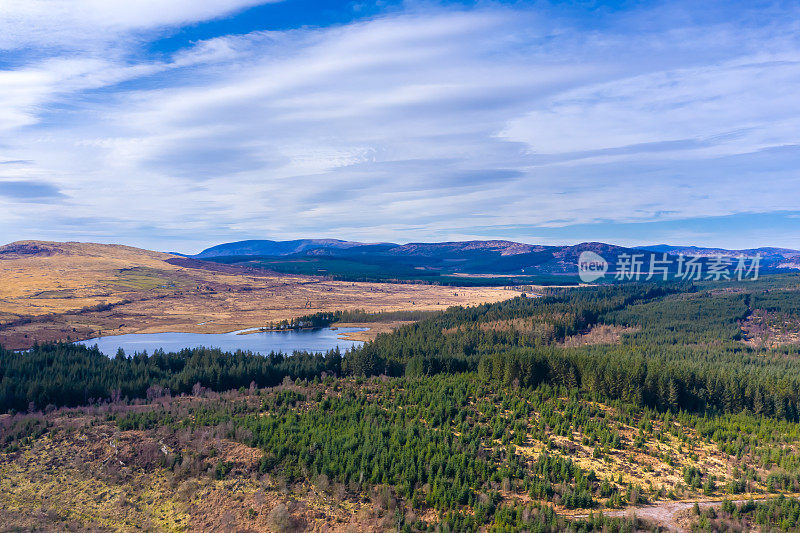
(416, 125)
(723, 108)
(78, 24)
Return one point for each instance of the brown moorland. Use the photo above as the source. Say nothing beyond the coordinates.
(52, 291)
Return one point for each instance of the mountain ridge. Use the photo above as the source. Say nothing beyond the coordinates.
(506, 247)
(422, 261)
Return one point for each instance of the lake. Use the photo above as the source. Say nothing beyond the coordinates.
(263, 342)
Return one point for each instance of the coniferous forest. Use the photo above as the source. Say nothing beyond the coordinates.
(545, 412)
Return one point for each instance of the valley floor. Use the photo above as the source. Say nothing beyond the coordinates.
(74, 291)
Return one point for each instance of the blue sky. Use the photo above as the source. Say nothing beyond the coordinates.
(177, 125)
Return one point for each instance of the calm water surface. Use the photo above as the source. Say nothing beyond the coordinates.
(263, 342)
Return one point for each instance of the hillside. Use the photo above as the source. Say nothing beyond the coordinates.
(276, 248)
(338, 247)
(783, 258)
(45, 277)
(68, 291)
(477, 262)
(613, 408)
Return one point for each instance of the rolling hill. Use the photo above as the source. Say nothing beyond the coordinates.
(51, 291)
(783, 258)
(485, 262)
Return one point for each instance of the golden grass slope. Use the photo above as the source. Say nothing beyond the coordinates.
(61, 276)
(68, 291)
(89, 476)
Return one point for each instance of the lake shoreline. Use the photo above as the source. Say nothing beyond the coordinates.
(319, 340)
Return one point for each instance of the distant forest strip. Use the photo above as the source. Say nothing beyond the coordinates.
(361, 316)
(684, 355)
(377, 271)
(324, 319)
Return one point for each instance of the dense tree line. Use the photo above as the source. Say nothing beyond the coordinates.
(68, 375)
(455, 340)
(682, 351)
(326, 318)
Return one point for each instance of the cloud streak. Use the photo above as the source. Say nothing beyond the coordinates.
(78, 24)
(28, 191)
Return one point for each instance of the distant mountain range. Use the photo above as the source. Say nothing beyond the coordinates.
(772, 257)
(455, 261)
(339, 247)
(274, 248)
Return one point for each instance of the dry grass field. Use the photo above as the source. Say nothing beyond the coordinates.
(69, 291)
(763, 329)
(87, 475)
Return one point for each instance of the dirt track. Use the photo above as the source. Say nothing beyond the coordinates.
(668, 514)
